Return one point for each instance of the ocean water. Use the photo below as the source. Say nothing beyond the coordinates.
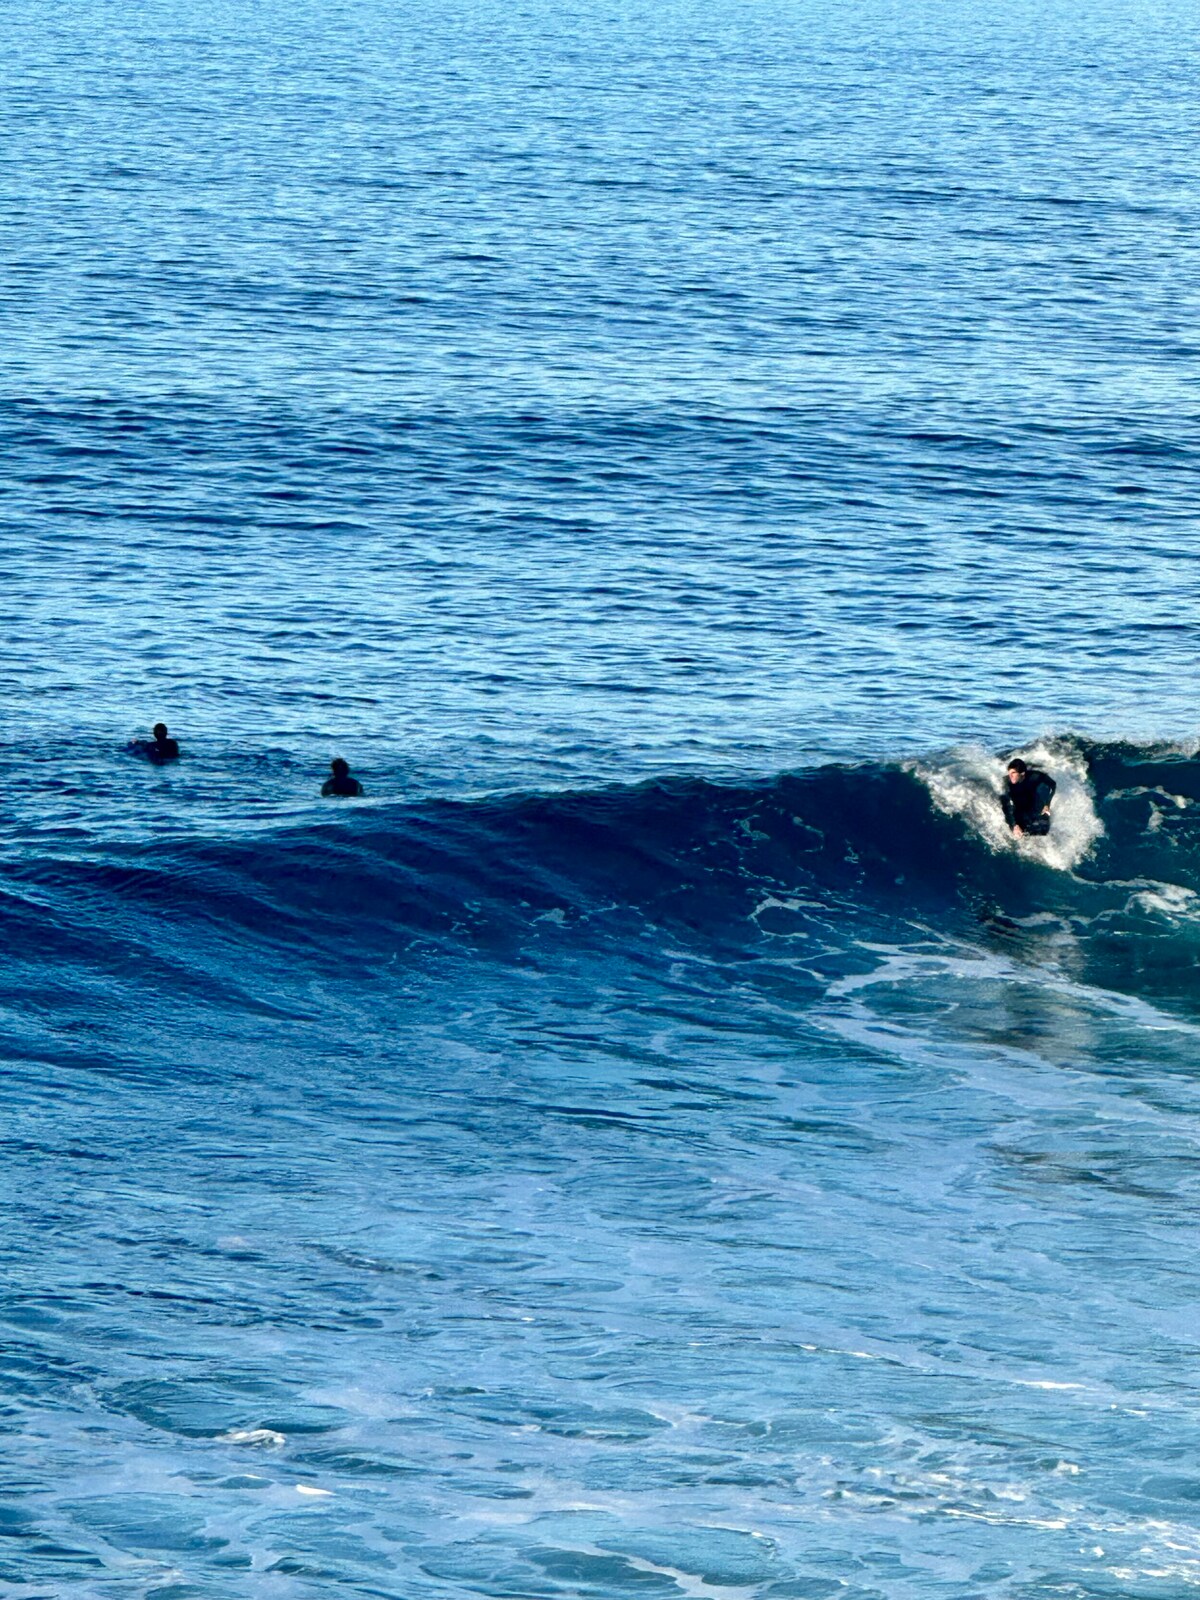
(667, 1140)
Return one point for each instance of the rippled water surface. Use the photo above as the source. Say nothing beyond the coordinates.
(667, 1140)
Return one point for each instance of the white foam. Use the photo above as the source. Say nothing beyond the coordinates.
(968, 782)
(1167, 899)
(900, 965)
(1181, 802)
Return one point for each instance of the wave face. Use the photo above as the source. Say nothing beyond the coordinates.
(768, 1182)
(843, 854)
(439, 1190)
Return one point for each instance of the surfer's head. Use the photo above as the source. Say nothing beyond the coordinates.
(160, 731)
(339, 768)
(1016, 770)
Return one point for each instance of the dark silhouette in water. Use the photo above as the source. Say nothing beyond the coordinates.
(161, 748)
(341, 784)
(1026, 799)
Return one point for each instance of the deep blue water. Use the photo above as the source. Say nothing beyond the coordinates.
(667, 1140)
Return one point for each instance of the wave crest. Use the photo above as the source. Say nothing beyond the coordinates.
(832, 860)
(966, 783)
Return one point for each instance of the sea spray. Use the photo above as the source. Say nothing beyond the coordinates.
(968, 782)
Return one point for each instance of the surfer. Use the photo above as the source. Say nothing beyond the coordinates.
(1026, 799)
(161, 748)
(341, 783)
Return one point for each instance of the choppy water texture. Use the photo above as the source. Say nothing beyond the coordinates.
(667, 1140)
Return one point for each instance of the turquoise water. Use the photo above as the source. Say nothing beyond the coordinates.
(666, 1140)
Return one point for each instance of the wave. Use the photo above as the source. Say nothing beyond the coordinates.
(965, 784)
(821, 864)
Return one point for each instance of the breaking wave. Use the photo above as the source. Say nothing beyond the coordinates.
(839, 859)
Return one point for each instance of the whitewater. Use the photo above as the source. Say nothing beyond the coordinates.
(668, 1138)
(663, 1184)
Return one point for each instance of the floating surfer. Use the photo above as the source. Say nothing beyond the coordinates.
(340, 784)
(1026, 799)
(160, 748)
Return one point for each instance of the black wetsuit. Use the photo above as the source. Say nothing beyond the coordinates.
(345, 788)
(1025, 801)
(156, 749)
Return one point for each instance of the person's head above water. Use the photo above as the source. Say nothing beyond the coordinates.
(341, 783)
(1016, 770)
(162, 747)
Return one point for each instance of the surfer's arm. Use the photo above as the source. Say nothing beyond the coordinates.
(1045, 793)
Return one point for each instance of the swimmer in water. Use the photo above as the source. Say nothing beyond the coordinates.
(1026, 799)
(160, 748)
(341, 784)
